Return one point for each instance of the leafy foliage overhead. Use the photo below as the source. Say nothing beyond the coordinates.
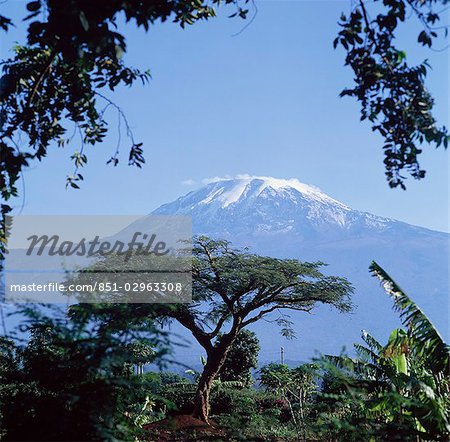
(52, 90)
(392, 93)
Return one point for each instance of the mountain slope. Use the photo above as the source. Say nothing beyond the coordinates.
(286, 218)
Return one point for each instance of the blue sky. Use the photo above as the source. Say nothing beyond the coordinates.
(264, 102)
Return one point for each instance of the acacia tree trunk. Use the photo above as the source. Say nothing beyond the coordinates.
(211, 370)
(214, 362)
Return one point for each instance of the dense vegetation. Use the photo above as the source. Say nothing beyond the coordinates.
(75, 376)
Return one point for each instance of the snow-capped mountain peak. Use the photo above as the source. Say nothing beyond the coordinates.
(288, 219)
(229, 191)
(268, 205)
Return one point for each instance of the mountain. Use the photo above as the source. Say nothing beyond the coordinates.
(266, 206)
(289, 219)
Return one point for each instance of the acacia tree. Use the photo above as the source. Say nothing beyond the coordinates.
(233, 288)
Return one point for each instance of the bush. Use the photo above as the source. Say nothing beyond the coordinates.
(229, 401)
(250, 414)
(176, 393)
(70, 380)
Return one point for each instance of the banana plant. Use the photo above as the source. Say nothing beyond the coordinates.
(426, 341)
(403, 385)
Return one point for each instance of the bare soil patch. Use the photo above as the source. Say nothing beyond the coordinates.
(183, 427)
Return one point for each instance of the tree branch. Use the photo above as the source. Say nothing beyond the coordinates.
(41, 77)
(260, 315)
(371, 35)
(219, 325)
(216, 272)
(186, 320)
(271, 309)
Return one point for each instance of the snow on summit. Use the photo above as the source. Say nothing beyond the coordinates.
(265, 204)
(288, 219)
(240, 186)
